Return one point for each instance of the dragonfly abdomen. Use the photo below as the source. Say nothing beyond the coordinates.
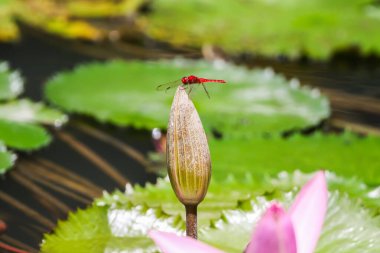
(205, 80)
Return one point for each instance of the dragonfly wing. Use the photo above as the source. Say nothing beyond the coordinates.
(169, 85)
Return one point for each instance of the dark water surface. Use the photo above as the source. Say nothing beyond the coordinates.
(87, 157)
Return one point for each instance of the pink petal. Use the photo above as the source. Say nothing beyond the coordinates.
(274, 233)
(308, 213)
(172, 243)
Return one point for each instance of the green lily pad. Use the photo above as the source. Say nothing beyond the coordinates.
(11, 83)
(6, 159)
(270, 28)
(116, 222)
(19, 124)
(111, 228)
(252, 102)
(239, 164)
(161, 195)
(347, 155)
(23, 136)
(347, 227)
(26, 111)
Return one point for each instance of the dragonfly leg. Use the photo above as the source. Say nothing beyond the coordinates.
(190, 89)
(204, 87)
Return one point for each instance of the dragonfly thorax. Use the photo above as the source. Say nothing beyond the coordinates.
(190, 79)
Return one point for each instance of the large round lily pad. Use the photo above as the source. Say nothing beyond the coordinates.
(252, 102)
(270, 28)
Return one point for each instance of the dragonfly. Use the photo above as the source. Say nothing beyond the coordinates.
(189, 81)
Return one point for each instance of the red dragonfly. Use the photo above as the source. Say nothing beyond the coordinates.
(188, 81)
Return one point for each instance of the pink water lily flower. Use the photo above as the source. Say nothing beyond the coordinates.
(278, 231)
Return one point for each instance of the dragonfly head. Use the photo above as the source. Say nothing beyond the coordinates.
(185, 80)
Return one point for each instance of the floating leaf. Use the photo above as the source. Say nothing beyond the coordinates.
(345, 155)
(119, 227)
(270, 28)
(347, 227)
(115, 223)
(252, 101)
(6, 159)
(18, 124)
(219, 199)
(23, 136)
(161, 196)
(26, 111)
(11, 83)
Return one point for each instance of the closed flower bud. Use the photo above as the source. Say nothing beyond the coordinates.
(188, 155)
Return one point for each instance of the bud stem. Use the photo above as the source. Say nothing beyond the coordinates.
(191, 221)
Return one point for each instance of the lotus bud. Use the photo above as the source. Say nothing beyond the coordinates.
(187, 153)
